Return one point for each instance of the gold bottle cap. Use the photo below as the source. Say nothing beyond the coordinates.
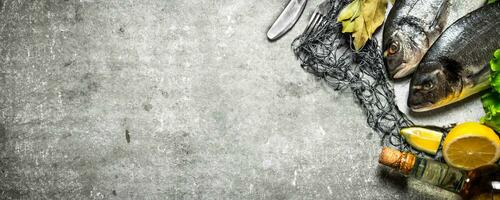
(396, 159)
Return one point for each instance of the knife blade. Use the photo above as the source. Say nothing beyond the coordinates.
(287, 19)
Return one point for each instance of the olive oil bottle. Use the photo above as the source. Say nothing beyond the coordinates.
(478, 184)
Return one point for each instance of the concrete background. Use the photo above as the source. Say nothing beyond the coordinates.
(150, 99)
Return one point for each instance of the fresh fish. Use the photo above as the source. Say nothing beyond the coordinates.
(412, 26)
(456, 66)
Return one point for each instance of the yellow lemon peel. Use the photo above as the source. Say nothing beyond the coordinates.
(423, 139)
(470, 145)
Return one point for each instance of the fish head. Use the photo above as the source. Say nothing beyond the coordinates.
(403, 48)
(433, 86)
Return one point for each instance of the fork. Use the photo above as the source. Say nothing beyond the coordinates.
(318, 17)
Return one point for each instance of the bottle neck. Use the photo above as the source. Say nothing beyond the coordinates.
(429, 171)
(438, 174)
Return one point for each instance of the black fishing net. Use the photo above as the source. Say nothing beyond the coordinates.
(326, 52)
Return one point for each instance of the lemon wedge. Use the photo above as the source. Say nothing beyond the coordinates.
(471, 145)
(422, 139)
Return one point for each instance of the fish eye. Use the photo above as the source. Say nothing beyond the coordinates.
(393, 48)
(428, 85)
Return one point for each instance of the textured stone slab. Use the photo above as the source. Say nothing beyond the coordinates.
(174, 100)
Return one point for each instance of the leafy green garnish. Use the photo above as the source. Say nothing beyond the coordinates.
(491, 1)
(495, 81)
(495, 68)
(495, 62)
(491, 100)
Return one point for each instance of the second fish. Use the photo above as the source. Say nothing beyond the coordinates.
(412, 27)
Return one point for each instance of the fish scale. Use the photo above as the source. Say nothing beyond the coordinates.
(456, 66)
(413, 25)
(476, 30)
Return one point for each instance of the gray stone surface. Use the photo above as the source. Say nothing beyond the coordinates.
(150, 99)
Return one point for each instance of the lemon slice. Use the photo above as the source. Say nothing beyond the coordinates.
(422, 139)
(471, 145)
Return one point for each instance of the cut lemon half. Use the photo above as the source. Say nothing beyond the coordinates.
(422, 139)
(471, 145)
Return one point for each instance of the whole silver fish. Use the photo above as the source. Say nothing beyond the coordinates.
(412, 26)
(457, 64)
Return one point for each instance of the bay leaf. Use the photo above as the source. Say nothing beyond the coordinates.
(362, 18)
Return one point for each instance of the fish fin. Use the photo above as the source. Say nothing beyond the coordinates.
(439, 21)
(453, 69)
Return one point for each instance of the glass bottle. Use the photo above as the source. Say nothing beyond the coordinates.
(478, 184)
